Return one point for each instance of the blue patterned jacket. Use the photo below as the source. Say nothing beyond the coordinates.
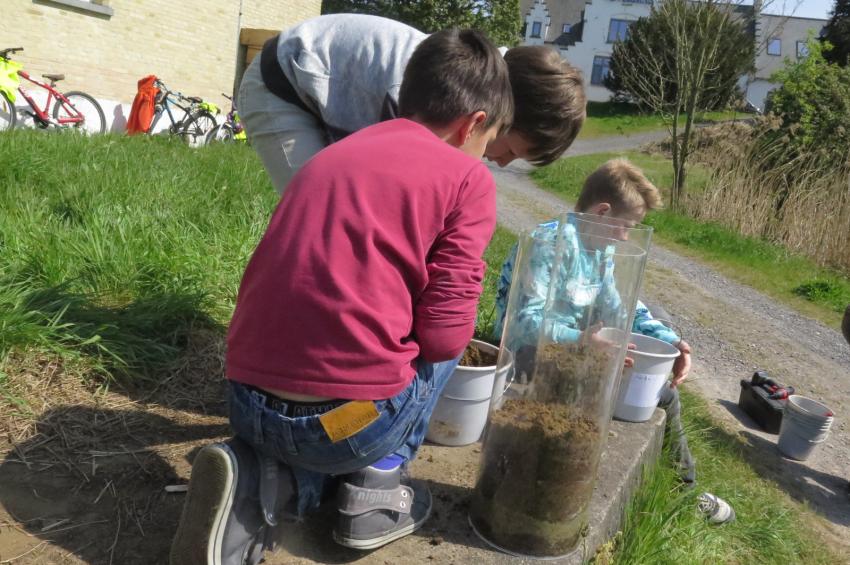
(586, 276)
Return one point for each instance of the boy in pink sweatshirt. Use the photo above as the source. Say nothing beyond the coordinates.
(352, 314)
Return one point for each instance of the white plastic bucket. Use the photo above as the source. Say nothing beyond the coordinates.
(805, 424)
(461, 411)
(642, 384)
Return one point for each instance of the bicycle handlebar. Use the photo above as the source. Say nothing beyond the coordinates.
(6, 52)
(166, 91)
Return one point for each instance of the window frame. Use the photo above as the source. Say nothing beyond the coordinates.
(605, 69)
(774, 41)
(618, 21)
(539, 27)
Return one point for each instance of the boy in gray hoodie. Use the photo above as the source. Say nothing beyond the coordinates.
(333, 75)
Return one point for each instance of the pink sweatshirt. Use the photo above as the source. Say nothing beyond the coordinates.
(371, 260)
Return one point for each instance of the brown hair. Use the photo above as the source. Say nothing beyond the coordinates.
(453, 73)
(622, 185)
(549, 99)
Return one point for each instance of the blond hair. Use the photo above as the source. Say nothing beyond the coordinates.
(622, 185)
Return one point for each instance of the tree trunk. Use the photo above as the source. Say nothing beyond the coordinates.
(674, 190)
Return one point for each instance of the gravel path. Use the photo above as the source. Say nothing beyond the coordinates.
(619, 143)
(734, 329)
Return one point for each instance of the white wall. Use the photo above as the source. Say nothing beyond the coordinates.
(540, 14)
(597, 20)
(757, 91)
(789, 30)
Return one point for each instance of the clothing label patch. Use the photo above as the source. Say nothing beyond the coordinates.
(644, 390)
(348, 419)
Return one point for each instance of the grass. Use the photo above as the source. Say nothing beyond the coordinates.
(792, 279)
(113, 249)
(565, 177)
(495, 255)
(663, 526)
(605, 119)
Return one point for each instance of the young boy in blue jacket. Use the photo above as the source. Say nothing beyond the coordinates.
(617, 190)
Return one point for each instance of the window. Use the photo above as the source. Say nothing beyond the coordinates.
(774, 46)
(90, 7)
(601, 67)
(535, 29)
(618, 30)
(566, 28)
(802, 50)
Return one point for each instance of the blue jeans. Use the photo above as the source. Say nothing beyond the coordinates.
(303, 444)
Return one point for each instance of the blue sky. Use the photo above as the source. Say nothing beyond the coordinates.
(801, 8)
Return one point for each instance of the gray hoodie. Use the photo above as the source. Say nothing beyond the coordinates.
(347, 68)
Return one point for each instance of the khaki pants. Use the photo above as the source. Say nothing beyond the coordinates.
(283, 135)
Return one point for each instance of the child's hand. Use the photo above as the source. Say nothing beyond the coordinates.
(682, 365)
(629, 362)
(592, 336)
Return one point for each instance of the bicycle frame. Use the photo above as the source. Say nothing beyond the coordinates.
(234, 120)
(165, 104)
(74, 115)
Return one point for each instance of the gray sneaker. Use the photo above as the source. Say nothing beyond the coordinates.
(375, 508)
(223, 521)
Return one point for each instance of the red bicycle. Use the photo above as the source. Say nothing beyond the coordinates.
(76, 110)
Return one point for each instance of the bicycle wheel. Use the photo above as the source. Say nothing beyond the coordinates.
(8, 114)
(94, 121)
(202, 122)
(187, 131)
(222, 133)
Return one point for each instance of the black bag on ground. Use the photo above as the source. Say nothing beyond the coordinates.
(756, 401)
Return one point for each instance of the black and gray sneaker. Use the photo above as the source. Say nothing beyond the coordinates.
(223, 520)
(375, 508)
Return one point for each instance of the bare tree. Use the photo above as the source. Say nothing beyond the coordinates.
(677, 65)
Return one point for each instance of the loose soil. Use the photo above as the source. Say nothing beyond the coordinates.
(475, 357)
(540, 454)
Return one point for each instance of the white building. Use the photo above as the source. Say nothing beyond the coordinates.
(777, 38)
(584, 31)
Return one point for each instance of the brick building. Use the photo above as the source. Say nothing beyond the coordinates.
(105, 46)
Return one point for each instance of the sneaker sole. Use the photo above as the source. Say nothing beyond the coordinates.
(199, 541)
(374, 543)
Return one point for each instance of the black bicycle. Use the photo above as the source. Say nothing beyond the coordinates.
(195, 122)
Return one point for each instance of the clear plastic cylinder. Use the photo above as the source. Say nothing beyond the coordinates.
(569, 316)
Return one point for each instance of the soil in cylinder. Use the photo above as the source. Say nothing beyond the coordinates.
(540, 455)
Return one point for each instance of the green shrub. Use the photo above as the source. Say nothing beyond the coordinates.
(813, 106)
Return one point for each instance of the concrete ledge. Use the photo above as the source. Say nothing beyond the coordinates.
(447, 537)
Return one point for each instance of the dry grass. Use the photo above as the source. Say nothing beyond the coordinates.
(48, 404)
(758, 189)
